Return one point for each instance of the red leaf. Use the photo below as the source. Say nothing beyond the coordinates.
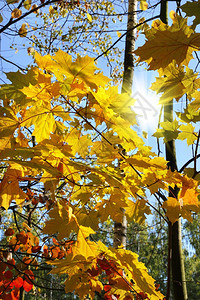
(111, 297)
(27, 286)
(15, 294)
(107, 288)
(54, 252)
(103, 263)
(94, 271)
(8, 275)
(6, 296)
(60, 167)
(22, 237)
(55, 242)
(2, 267)
(61, 254)
(11, 263)
(30, 275)
(9, 232)
(18, 282)
(36, 249)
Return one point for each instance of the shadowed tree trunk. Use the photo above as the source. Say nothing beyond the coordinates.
(175, 254)
(121, 228)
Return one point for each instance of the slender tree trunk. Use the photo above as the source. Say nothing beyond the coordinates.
(129, 48)
(175, 254)
(121, 228)
(120, 232)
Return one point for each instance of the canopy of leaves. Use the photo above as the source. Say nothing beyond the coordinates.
(71, 156)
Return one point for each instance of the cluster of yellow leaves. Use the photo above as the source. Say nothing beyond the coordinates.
(63, 126)
(172, 130)
(187, 201)
(52, 109)
(168, 49)
(55, 118)
(125, 275)
(167, 43)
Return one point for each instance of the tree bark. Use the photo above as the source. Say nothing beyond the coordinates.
(175, 254)
(129, 48)
(120, 229)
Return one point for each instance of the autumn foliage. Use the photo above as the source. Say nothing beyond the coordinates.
(71, 159)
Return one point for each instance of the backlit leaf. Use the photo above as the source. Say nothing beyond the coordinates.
(61, 222)
(9, 188)
(84, 247)
(136, 211)
(168, 45)
(89, 17)
(169, 131)
(23, 30)
(187, 133)
(187, 202)
(16, 13)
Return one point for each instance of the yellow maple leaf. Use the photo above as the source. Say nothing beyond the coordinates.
(137, 271)
(168, 45)
(79, 144)
(7, 126)
(143, 4)
(173, 207)
(187, 133)
(43, 120)
(136, 211)
(89, 17)
(186, 203)
(66, 71)
(44, 92)
(175, 82)
(44, 62)
(69, 265)
(171, 84)
(23, 30)
(9, 187)
(88, 219)
(169, 130)
(146, 162)
(62, 221)
(114, 103)
(83, 246)
(112, 207)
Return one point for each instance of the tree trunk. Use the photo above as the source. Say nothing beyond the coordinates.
(129, 48)
(121, 228)
(175, 254)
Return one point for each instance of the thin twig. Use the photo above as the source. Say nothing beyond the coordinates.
(139, 24)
